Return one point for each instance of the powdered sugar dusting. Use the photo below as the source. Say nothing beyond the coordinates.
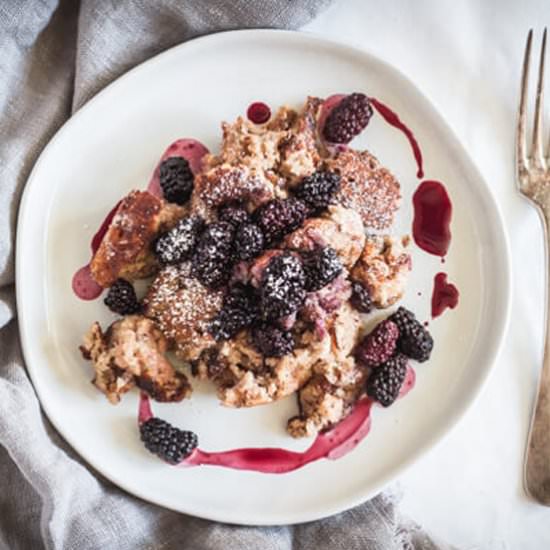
(367, 187)
(227, 183)
(182, 306)
(178, 243)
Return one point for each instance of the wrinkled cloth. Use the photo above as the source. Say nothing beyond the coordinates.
(54, 56)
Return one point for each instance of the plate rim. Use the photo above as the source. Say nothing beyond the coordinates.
(431, 440)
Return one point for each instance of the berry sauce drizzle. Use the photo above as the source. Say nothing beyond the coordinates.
(333, 444)
(445, 295)
(98, 237)
(432, 218)
(432, 206)
(83, 283)
(258, 112)
(393, 119)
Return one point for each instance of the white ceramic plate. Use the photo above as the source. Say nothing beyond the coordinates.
(112, 145)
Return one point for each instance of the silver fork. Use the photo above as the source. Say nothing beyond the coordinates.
(533, 175)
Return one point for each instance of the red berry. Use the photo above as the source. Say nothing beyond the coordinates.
(348, 119)
(379, 345)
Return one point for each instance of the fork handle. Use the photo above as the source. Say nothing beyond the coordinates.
(537, 461)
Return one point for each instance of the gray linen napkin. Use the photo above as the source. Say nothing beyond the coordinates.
(54, 56)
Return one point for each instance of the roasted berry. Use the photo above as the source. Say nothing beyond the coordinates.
(227, 323)
(233, 213)
(386, 380)
(243, 297)
(166, 441)
(414, 340)
(321, 267)
(121, 298)
(282, 290)
(271, 341)
(360, 298)
(239, 311)
(213, 258)
(249, 241)
(379, 345)
(176, 180)
(279, 217)
(179, 243)
(318, 190)
(348, 119)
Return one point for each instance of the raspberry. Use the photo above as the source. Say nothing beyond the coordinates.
(121, 298)
(233, 213)
(249, 241)
(282, 287)
(414, 340)
(318, 190)
(176, 180)
(178, 244)
(386, 380)
(212, 262)
(348, 119)
(279, 217)
(360, 298)
(166, 441)
(239, 311)
(321, 267)
(379, 345)
(272, 341)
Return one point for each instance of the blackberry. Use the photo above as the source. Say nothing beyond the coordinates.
(166, 441)
(249, 241)
(348, 119)
(242, 297)
(121, 298)
(271, 341)
(176, 180)
(321, 267)
(318, 190)
(227, 323)
(240, 310)
(360, 298)
(282, 289)
(233, 213)
(414, 340)
(379, 345)
(279, 217)
(386, 380)
(178, 244)
(212, 261)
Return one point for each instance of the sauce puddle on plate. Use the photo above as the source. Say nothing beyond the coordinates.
(432, 218)
(445, 295)
(258, 112)
(83, 283)
(332, 444)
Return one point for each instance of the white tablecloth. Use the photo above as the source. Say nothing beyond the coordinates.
(466, 57)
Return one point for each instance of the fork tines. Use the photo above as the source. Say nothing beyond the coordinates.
(535, 157)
